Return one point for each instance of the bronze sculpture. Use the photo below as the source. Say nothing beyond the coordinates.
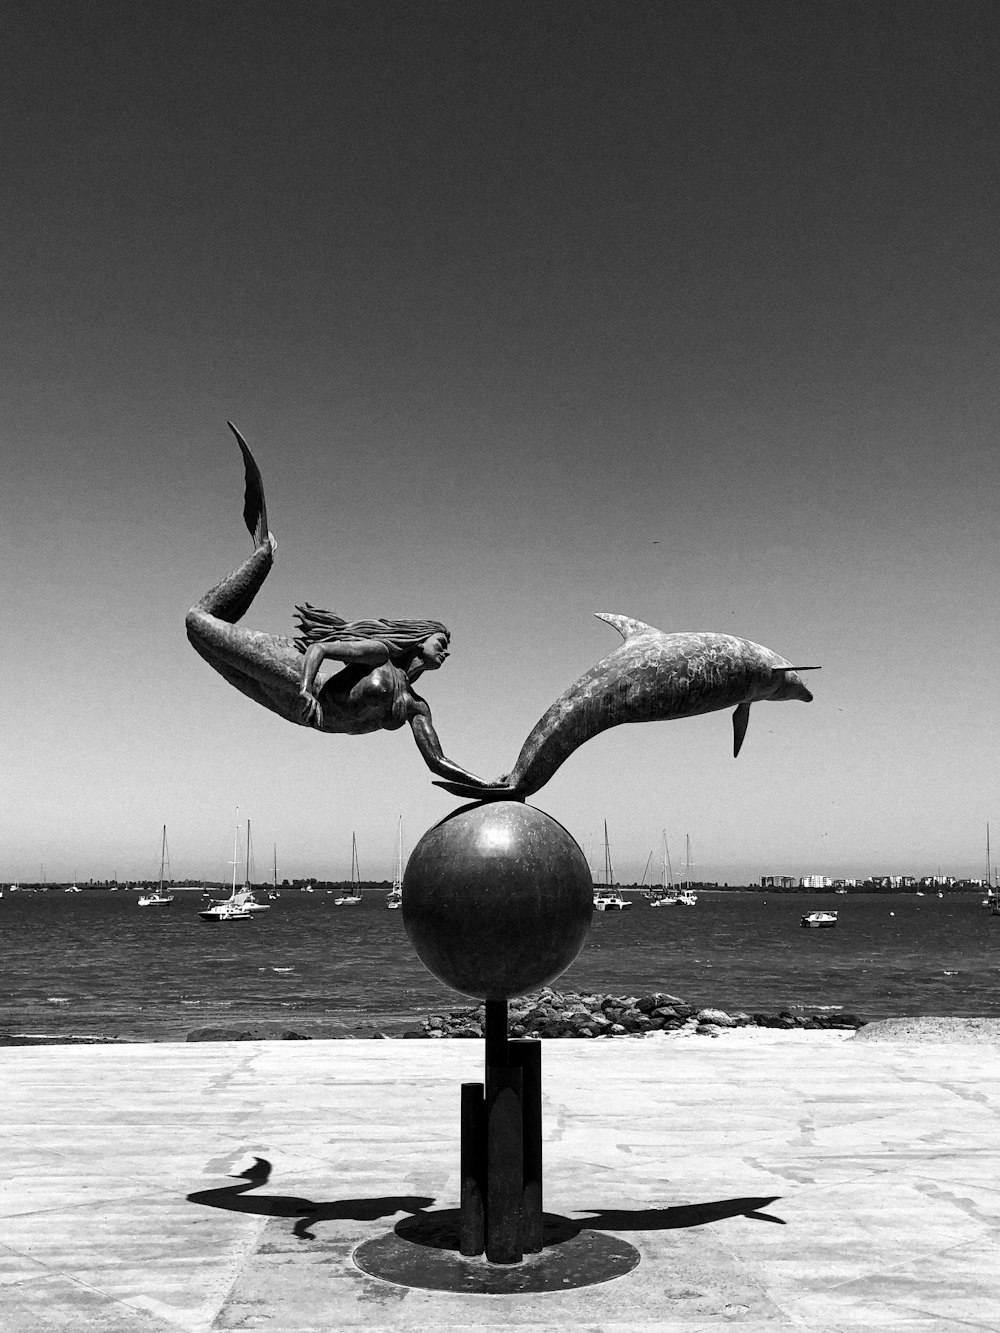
(650, 677)
(497, 898)
(382, 659)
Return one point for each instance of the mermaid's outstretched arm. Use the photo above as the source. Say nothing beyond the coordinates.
(266, 667)
(434, 757)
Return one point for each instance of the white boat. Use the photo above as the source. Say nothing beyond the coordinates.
(353, 895)
(819, 919)
(227, 910)
(245, 896)
(607, 896)
(992, 899)
(610, 900)
(666, 894)
(234, 907)
(159, 897)
(394, 898)
(687, 896)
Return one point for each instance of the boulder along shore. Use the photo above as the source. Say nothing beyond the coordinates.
(549, 1013)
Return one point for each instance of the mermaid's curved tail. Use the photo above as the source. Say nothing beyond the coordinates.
(254, 508)
(230, 600)
(266, 667)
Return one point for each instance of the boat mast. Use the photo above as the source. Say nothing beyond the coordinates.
(646, 870)
(988, 869)
(687, 854)
(355, 868)
(236, 849)
(248, 856)
(163, 856)
(666, 868)
(276, 867)
(397, 883)
(609, 874)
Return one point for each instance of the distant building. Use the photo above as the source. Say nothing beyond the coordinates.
(815, 882)
(777, 882)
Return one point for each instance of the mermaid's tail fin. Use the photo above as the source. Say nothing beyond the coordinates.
(254, 508)
(470, 791)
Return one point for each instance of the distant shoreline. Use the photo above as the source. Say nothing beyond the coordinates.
(377, 887)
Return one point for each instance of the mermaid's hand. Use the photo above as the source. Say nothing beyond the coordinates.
(310, 710)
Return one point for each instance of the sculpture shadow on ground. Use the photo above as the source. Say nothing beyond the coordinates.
(439, 1230)
(309, 1212)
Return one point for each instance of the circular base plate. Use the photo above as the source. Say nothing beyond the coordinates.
(423, 1252)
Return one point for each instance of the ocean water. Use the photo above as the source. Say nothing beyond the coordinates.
(95, 964)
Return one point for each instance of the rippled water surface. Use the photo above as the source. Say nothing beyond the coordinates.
(97, 964)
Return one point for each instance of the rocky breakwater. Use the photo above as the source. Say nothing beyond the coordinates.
(549, 1013)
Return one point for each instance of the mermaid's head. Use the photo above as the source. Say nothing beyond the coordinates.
(405, 640)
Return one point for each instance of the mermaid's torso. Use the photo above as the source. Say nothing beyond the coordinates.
(358, 702)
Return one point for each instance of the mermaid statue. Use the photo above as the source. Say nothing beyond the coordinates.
(382, 659)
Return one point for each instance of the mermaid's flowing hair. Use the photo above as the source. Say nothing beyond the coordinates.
(402, 638)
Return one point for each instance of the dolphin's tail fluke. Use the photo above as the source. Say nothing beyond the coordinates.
(254, 508)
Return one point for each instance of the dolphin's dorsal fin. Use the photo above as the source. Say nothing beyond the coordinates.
(740, 719)
(626, 626)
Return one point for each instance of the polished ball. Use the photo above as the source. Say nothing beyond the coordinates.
(497, 899)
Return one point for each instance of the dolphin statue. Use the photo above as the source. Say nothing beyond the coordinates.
(650, 677)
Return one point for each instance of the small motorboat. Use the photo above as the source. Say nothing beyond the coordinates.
(819, 919)
(610, 900)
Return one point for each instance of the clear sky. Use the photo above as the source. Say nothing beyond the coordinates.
(687, 311)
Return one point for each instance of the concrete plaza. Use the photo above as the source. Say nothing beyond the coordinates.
(806, 1181)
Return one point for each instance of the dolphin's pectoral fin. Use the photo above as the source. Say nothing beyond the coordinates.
(740, 719)
(626, 626)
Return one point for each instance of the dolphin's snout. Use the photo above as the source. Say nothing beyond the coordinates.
(791, 686)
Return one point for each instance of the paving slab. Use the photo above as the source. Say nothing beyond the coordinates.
(800, 1181)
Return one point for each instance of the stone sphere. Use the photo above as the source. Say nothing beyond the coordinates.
(497, 899)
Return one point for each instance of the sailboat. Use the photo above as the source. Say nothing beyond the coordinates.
(231, 908)
(665, 896)
(274, 891)
(992, 899)
(159, 897)
(608, 896)
(687, 896)
(353, 895)
(245, 896)
(394, 898)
